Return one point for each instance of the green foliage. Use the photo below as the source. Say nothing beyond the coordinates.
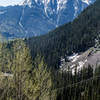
(5, 57)
(39, 84)
(76, 36)
(97, 71)
(25, 80)
(21, 65)
(29, 80)
(16, 65)
(34, 80)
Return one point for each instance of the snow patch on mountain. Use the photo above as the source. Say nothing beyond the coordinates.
(76, 62)
(2, 12)
(61, 4)
(87, 1)
(56, 7)
(27, 2)
(73, 57)
(76, 3)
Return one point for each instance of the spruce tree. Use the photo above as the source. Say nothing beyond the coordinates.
(39, 83)
(21, 66)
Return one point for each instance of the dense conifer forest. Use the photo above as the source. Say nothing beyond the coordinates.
(29, 69)
(76, 36)
(22, 78)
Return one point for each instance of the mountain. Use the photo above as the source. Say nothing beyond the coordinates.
(60, 11)
(36, 17)
(75, 37)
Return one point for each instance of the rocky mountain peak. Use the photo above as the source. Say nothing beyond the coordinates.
(49, 14)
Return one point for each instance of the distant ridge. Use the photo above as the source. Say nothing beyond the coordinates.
(38, 17)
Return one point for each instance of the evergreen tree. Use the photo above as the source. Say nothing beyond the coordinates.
(5, 57)
(39, 83)
(97, 71)
(21, 66)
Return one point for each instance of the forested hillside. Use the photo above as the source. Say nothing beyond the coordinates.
(27, 67)
(76, 36)
(22, 78)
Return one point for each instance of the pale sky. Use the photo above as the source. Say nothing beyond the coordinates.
(9, 2)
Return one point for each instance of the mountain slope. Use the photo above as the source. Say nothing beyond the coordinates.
(36, 17)
(75, 37)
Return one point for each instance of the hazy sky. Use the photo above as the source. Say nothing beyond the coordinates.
(9, 2)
